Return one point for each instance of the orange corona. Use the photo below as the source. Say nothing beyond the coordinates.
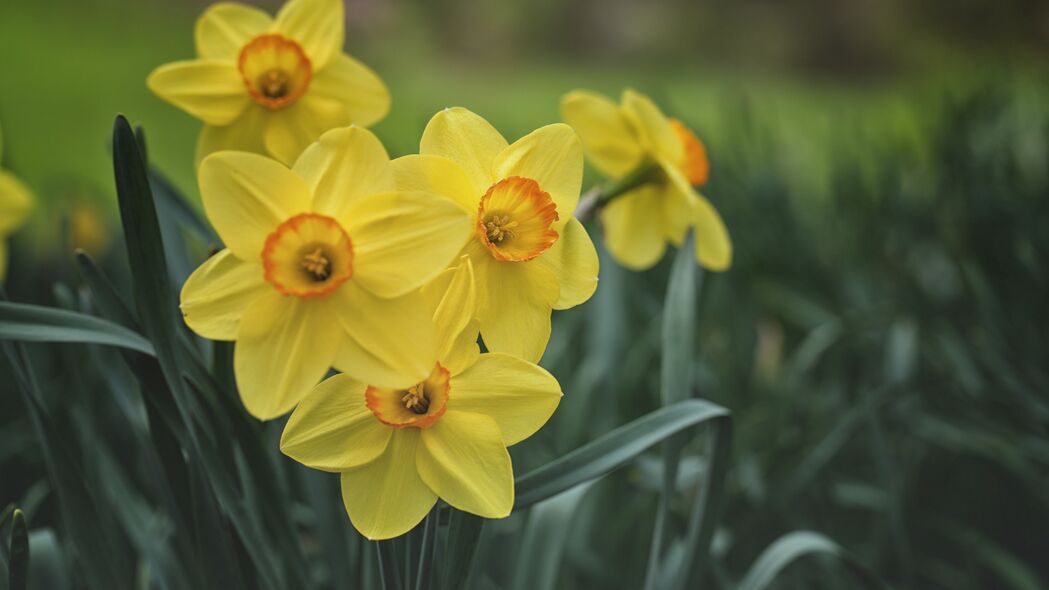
(419, 406)
(275, 70)
(514, 219)
(308, 256)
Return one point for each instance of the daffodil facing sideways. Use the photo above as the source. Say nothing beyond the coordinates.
(530, 255)
(399, 449)
(322, 266)
(15, 203)
(667, 162)
(271, 85)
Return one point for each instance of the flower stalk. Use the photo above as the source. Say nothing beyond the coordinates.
(602, 194)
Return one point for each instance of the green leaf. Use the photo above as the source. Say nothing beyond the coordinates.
(544, 539)
(35, 323)
(389, 570)
(108, 301)
(793, 546)
(464, 530)
(424, 574)
(19, 564)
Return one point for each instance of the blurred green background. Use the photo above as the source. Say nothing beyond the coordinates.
(882, 340)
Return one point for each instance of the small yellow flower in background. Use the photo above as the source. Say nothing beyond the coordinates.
(622, 139)
(399, 449)
(271, 85)
(323, 266)
(529, 253)
(15, 203)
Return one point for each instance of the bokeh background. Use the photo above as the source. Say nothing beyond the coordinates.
(882, 340)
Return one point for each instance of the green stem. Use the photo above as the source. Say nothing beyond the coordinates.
(602, 194)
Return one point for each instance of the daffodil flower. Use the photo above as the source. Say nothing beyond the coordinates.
(271, 85)
(399, 449)
(15, 203)
(323, 265)
(634, 136)
(529, 253)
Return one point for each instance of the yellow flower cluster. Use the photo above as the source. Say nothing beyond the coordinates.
(393, 271)
(15, 204)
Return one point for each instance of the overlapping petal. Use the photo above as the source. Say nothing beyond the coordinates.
(290, 130)
(438, 175)
(209, 89)
(652, 126)
(553, 157)
(519, 396)
(387, 497)
(514, 305)
(462, 458)
(361, 92)
(217, 294)
(332, 429)
(225, 27)
(318, 26)
(609, 138)
(344, 165)
(573, 260)
(244, 134)
(466, 139)
(633, 225)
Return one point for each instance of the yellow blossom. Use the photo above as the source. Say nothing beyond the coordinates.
(399, 449)
(271, 85)
(621, 140)
(15, 203)
(529, 253)
(323, 266)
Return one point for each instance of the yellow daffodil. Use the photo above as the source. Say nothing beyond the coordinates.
(323, 265)
(271, 85)
(632, 137)
(529, 253)
(399, 449)
(15, 204)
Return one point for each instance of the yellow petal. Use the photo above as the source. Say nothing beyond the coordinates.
(466, 139)
(678, 204)
(332, 429)
(4, 254)
(359, 89)
(246, 196)
(463, 459)
(573, 260)
(386, 498)
(464, 351)
(285, 346)
(242, 135)
(519, 396)
(209, 89)
(713, 245)
(15, 202)
(293, 128)
(656, 134)
(402, 240)
(551, 156)
(437, 175)
(218, 293)
(391, 341)
(514, 304)
(316, 25)
(609, 139)
(345, 165)
(633, 225)
(224, 28)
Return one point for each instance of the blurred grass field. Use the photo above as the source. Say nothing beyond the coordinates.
(881, 340)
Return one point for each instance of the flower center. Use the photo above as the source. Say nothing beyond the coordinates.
(694, 164)
(419, 406)
(275, 70)
(309, 255)
(514, 219)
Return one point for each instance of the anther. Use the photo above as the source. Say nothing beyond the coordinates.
(274, 84)
(317, 264)
(416, 400)
(500, 228)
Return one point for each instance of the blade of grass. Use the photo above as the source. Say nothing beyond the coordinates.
(793, 546)
(464, 530)
(544, 539)
(35, 323)
(424, 575)
(389, 570)
(18, 571)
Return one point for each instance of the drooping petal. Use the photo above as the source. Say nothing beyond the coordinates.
(462, 353)
(391, 341)
(437, 175)
(514, 304)
(713, 245)
(333, 430)
(386, 498)
(633, 228)
(610, 140)
(463, 459)
(285, 345)
(344, 165)
(224, 28)
(654, 130)
(519, 396)
(290, 130)
(242, 135)
(402, 240)
(15, 202)
(209, 89)
(678, 204)
(573, 260)
(553, 157)
(246, 196)
(466, 139)
(218, 293)
(359, 89)
(453, 297)
(316, 25)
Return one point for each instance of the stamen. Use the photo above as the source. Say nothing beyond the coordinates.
(317, 264)
(416, 400)
(500, 228)
(274, 84)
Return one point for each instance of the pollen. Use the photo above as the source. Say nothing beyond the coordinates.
(416, 399)
(515, 219)
(273, 84)
(317, 265)
(275, 70)
(500, 228)
(419, 406)
(309, 255)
